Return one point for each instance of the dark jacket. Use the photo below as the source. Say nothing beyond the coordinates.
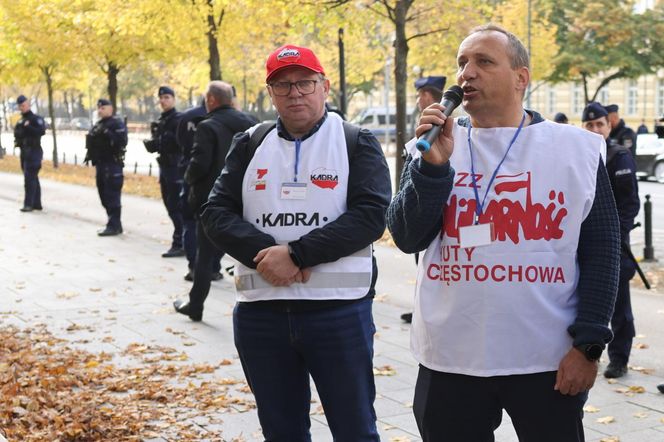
(29, 130)
(621, 168)
(363, 222)
(186, 129)
(169, 152)
(212, 141)
(107, 141)
(624, 136)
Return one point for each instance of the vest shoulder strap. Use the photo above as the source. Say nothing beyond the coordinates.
(351, 132)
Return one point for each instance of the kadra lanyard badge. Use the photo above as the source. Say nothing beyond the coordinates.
(482, 234)
(294, 190)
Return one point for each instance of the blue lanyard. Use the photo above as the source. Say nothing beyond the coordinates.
(479, 207)
(298, 142)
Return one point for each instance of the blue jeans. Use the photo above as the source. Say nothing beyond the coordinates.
(279, 350)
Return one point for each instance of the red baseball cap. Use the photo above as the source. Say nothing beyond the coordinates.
(287, 56)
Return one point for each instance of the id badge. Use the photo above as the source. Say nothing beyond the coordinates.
(476, 235)
(293, 191)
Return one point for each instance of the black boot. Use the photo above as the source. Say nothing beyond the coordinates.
(185, 308)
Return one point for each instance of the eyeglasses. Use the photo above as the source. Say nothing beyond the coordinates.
(283, 88)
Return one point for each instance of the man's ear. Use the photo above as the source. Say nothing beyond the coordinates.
(523, 78)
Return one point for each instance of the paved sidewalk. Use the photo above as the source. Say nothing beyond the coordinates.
(55, 270)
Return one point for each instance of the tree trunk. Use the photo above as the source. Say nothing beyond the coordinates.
(66, 102)
(112, 89)
(48, 76)
(400, 80)
(213, 46)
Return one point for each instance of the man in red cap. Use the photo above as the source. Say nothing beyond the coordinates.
(298, 205)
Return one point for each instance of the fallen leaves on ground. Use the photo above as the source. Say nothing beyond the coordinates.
(606, 420)
(590, 409)
(385, 370)
(51, 392)
(610, 439)
(641, 369)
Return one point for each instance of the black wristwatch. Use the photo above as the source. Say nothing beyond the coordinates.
(592, 352)
(294, 257)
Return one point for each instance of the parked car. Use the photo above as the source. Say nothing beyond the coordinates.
(650, 157)
(80, 123)
(373, 118)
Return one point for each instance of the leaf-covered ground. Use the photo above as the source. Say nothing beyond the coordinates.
(52, 392)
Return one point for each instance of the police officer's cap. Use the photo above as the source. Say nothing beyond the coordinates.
(593, 111)
(560, 118)
(103, 102)
(611, 108)
(21, 99)
(437, 82)
(165, 90)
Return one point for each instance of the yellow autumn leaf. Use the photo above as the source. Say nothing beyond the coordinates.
(385, 370)
(590, 409)
(606, 420)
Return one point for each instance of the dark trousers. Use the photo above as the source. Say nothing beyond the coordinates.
(622, 321)
(109, 185)
(170, 182)
(459, 408)
(31, 161)
(188, 227)
(280, 350)
(206, 253)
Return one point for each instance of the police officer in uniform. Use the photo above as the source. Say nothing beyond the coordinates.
(620, 133)
(429, 91)
(212, 141)
(106, 145)
(186, 130)
(27, 136)
(164, 143)
(622, 174)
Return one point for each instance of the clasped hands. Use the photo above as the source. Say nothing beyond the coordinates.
(276, 267)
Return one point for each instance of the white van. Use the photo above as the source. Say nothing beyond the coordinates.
(373, 118)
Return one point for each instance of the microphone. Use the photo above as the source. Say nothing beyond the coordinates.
(451, 100)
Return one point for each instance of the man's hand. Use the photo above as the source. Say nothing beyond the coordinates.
(575, 373)
(442, 148)
(303, 276)
(276, 266)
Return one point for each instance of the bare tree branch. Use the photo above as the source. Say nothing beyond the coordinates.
(424, 34)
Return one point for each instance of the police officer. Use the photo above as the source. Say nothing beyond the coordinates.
(106, 145)
(620, 133)
(212, 140)
(186, 129)
(429, 91)
(187, 123)
(27, 136)
(560, 118)
(622, 174)
(164, 143)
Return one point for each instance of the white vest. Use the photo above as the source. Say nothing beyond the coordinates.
(323, 167)
(504, 308)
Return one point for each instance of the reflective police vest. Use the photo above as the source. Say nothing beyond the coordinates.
(287, 202)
